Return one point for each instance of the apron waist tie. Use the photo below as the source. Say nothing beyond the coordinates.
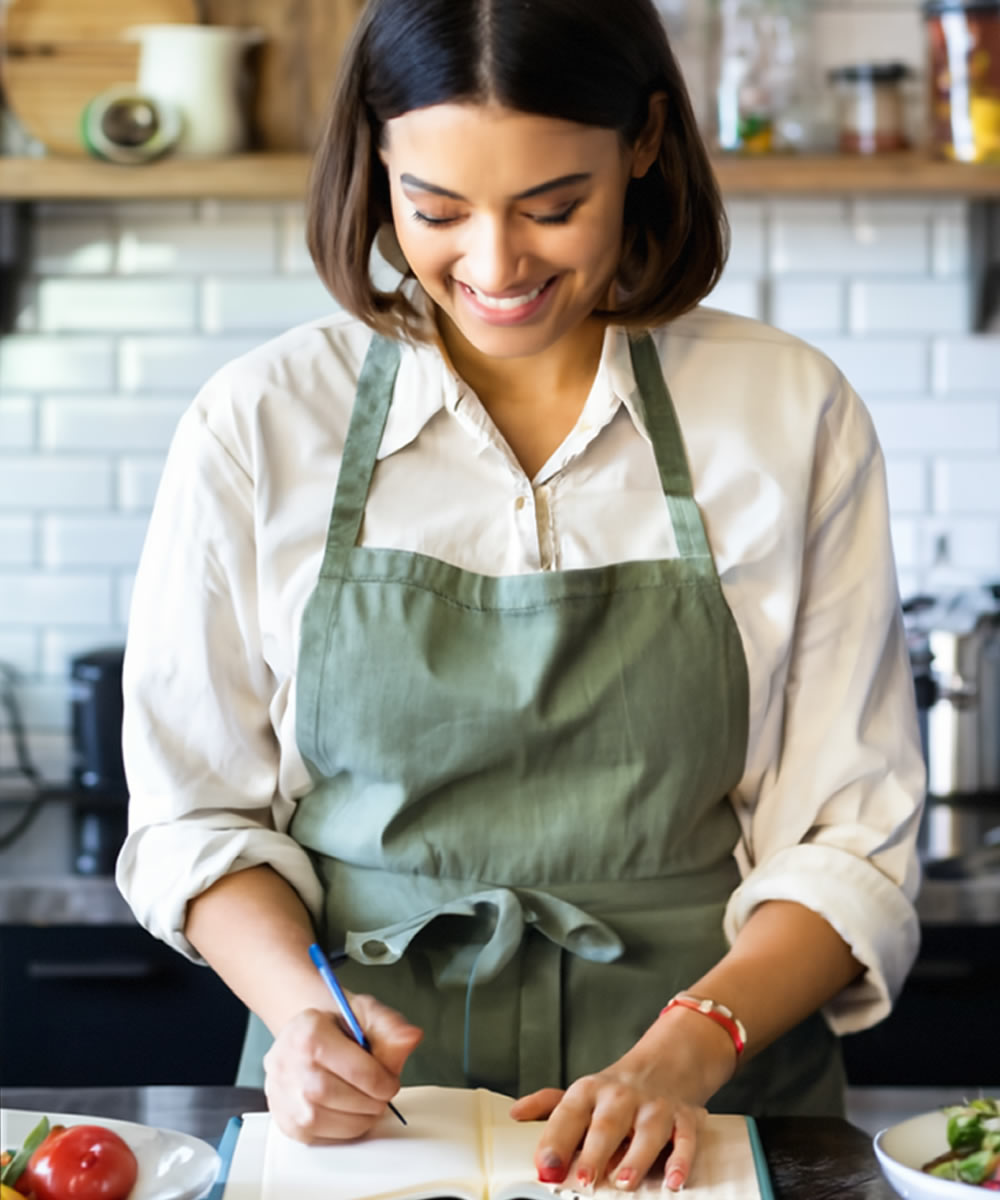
(506, 912)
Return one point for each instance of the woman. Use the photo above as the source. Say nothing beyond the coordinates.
(590, 687)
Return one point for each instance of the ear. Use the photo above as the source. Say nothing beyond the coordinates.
(647, 147)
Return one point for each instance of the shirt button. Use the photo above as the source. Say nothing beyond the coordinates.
(519, 503)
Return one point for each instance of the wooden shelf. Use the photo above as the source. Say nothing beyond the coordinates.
(284, 176)
(241, 177)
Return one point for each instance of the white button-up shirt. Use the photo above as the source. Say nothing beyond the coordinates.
(789, 478)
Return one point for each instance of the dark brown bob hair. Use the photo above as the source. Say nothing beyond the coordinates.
(593, 62)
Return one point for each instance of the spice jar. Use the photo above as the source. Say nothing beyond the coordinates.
(870, 107)
(964, 37)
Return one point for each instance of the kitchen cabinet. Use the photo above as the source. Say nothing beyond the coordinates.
(109, 1006)
(941, 1030)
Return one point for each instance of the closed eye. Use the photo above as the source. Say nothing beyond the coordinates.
(424, 219)
(559, 218)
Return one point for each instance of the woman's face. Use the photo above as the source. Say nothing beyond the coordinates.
(512, 223)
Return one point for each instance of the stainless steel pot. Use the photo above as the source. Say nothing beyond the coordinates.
(955, 652)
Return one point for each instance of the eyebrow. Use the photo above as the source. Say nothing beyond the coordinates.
(563, 181)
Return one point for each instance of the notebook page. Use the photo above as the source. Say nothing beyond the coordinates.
(723, 1170)
(436, 1154)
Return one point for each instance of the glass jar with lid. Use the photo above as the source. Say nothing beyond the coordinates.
(762, 52)
(964, 48)
(870, 109)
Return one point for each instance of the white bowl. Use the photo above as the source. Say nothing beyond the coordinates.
(903, 1149)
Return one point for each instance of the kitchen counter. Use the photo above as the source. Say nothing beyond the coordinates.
(810, 1158)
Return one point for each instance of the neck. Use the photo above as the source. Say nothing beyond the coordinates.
(564, 367)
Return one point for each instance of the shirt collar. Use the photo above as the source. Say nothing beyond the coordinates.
(427, 383)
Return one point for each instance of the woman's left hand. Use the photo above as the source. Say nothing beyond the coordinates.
(619, 1104)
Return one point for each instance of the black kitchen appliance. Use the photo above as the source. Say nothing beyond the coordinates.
(98, 773)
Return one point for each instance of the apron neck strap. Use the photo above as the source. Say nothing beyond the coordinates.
(364, 436)
(371, 409)
(668, 445)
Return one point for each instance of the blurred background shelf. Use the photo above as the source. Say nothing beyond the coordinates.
(283, 176)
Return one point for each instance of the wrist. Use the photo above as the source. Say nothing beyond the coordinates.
(685, 1055)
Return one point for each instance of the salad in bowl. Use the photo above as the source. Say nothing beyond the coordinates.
(943, 1155)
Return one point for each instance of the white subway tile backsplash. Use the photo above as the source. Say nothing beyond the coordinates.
(19, 648)
(143, 212)
(909, 306)
(174, 364)
(807, 246)
(38, 364)
(121, 423)
(932, 428)
(742, 296)
(193, 247)
(98, 541)
(879, 364)
(138, 479)
(45, 703)
(907, 482)
(43, 482)
(967, 485)
(25, 317)
(748, 242)
(968, 364)
(123, 596)
(17, 423)
(805, 306)
(905, 540)
(17, 541)
(809, 208)
(116, 305)
(890, 208)
(68, 244)
(43, 599)
(269, 305)
(973, 543)
(293, 254)
(59, 646)
(883, 35)
(950, 246)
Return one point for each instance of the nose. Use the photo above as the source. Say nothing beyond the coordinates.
(492, 254)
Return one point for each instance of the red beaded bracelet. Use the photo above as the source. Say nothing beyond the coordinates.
(715, 1012)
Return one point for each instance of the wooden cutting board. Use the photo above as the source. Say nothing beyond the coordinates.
(295, 68)
(55, 22)
(59, 54)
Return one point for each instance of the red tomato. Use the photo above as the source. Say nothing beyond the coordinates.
(83, 1162)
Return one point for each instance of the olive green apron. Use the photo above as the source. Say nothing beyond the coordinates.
(520, 810)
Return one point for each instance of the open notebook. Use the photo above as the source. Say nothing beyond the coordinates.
(457, 1143)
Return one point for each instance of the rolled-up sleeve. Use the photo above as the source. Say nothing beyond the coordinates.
(831, 821)
(201, 753)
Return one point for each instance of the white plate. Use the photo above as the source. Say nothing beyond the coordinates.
(172, 1166)
(903, 1149)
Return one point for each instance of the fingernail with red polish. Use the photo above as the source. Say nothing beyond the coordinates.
(552, 1169)
(625, 1178)
(585, 1178)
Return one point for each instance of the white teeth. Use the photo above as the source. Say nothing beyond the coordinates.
(506, 303)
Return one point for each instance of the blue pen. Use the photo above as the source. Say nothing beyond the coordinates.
(322, 964)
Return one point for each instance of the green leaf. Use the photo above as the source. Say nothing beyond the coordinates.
(965, 1131)
(12, 1171)
(946, 1170)
(977, 1167)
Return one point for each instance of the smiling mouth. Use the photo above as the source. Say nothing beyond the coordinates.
(506, 303)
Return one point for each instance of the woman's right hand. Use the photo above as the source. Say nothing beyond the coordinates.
(321, 1085)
